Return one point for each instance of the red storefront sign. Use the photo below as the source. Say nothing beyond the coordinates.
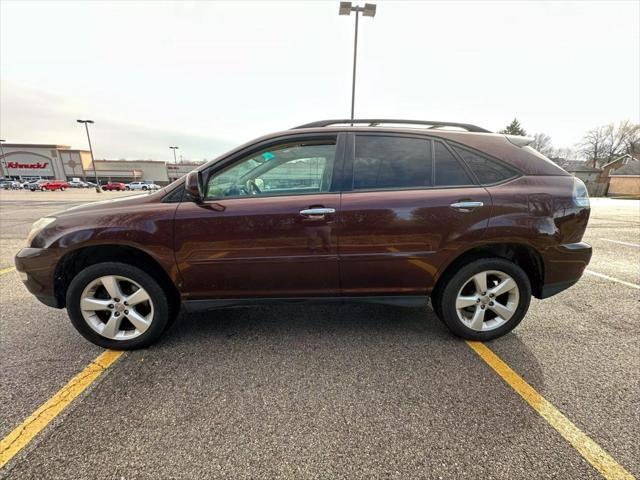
(38, 165)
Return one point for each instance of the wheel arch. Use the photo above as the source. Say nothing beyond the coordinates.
(75, 261)
(525, 256)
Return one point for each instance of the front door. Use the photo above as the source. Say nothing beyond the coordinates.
(411, 204)
(266, 227)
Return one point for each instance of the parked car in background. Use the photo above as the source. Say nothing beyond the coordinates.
(10, 185)
(114, 186)
(26, 182)
(78, 184)
(52, 185)
(37, 185)
(475, 221)
(145, 185)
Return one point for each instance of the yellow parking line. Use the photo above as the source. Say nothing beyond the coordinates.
(38, 420)
(6, 270)
(590, 450)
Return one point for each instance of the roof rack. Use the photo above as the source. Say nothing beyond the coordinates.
(374, 122)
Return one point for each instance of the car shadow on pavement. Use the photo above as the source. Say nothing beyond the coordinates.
(357, 326)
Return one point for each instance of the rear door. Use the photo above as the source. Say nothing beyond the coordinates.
(408, 203)
(267, 225)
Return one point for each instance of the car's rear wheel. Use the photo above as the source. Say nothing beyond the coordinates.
(485, 299)
(118, 306)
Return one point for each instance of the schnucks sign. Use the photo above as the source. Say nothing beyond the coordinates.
(28, 165)
(19, 165)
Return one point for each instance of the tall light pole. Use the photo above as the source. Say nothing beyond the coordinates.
(369, 10)
(174, 154)
(93, 163)
(4, 160)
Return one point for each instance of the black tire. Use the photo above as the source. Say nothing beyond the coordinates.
(144, 188)
(445, 298)
(161, 310)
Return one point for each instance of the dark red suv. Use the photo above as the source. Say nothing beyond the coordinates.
(397, 214)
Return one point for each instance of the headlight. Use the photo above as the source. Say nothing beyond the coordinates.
(37, 227)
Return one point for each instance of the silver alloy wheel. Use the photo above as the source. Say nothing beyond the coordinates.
(487, 300)
(116, 307)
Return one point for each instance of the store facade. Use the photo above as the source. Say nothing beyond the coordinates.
(30, 161)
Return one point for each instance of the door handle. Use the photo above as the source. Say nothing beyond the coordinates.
(466, 206)
(317, 212)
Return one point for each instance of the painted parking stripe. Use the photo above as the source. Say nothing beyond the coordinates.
(613, 279)
(38, 420)
(628, 244)
(6, 270)
(590, 450)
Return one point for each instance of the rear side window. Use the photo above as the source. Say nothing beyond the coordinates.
(392, 162)
(449, 172)
(486, 170)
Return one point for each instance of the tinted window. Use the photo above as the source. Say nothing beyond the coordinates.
(487, 171)
(448, 170)
(391, 162)
(288, 169)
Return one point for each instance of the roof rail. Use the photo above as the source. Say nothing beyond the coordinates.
(373, 122)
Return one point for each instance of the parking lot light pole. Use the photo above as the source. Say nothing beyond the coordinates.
(4, 160)
(174, 154)
(93, 163)
(369, 10)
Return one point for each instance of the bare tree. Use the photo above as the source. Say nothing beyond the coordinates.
(542, 143)
(603, 144)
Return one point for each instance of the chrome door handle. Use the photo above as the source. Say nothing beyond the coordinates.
(466, 206)
(314, 212)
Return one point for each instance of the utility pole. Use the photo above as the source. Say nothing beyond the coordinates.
(93, 163)
(369, 10)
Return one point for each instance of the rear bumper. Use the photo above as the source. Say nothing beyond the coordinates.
(563, 266)
(36, 267)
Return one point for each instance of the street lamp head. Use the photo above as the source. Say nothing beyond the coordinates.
(345, 8)
(174, 148)
(369, 10)
(84, 121)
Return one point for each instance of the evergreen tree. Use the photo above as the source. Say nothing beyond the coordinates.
(514, 128)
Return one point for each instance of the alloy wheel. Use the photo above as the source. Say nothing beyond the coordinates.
(487, 300)
(116, 307)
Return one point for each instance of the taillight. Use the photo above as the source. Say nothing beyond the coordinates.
(580, 194)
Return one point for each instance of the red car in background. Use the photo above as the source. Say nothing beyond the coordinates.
(114, 186)
(49, 185)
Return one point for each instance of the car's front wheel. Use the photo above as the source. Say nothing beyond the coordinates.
(485, 299)
(118, 306)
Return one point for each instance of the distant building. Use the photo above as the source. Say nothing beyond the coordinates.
(625, 180)
(29, 160)
(582, 170)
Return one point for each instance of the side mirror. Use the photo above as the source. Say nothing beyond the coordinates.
(193, 185)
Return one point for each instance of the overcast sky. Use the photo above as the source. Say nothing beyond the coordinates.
(208, 75)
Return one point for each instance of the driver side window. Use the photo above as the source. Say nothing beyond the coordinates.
(287, 169)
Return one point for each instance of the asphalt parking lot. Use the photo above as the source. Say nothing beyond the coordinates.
(354, 391)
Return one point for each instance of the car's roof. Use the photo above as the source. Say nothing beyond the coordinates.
(494, 144)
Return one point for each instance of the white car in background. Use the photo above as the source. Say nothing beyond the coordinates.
(78, 184)
(142, 186)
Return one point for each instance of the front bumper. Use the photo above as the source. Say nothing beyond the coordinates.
(563, 266)
(37, 268)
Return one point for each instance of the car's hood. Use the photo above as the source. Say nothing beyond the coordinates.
(129, 200)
